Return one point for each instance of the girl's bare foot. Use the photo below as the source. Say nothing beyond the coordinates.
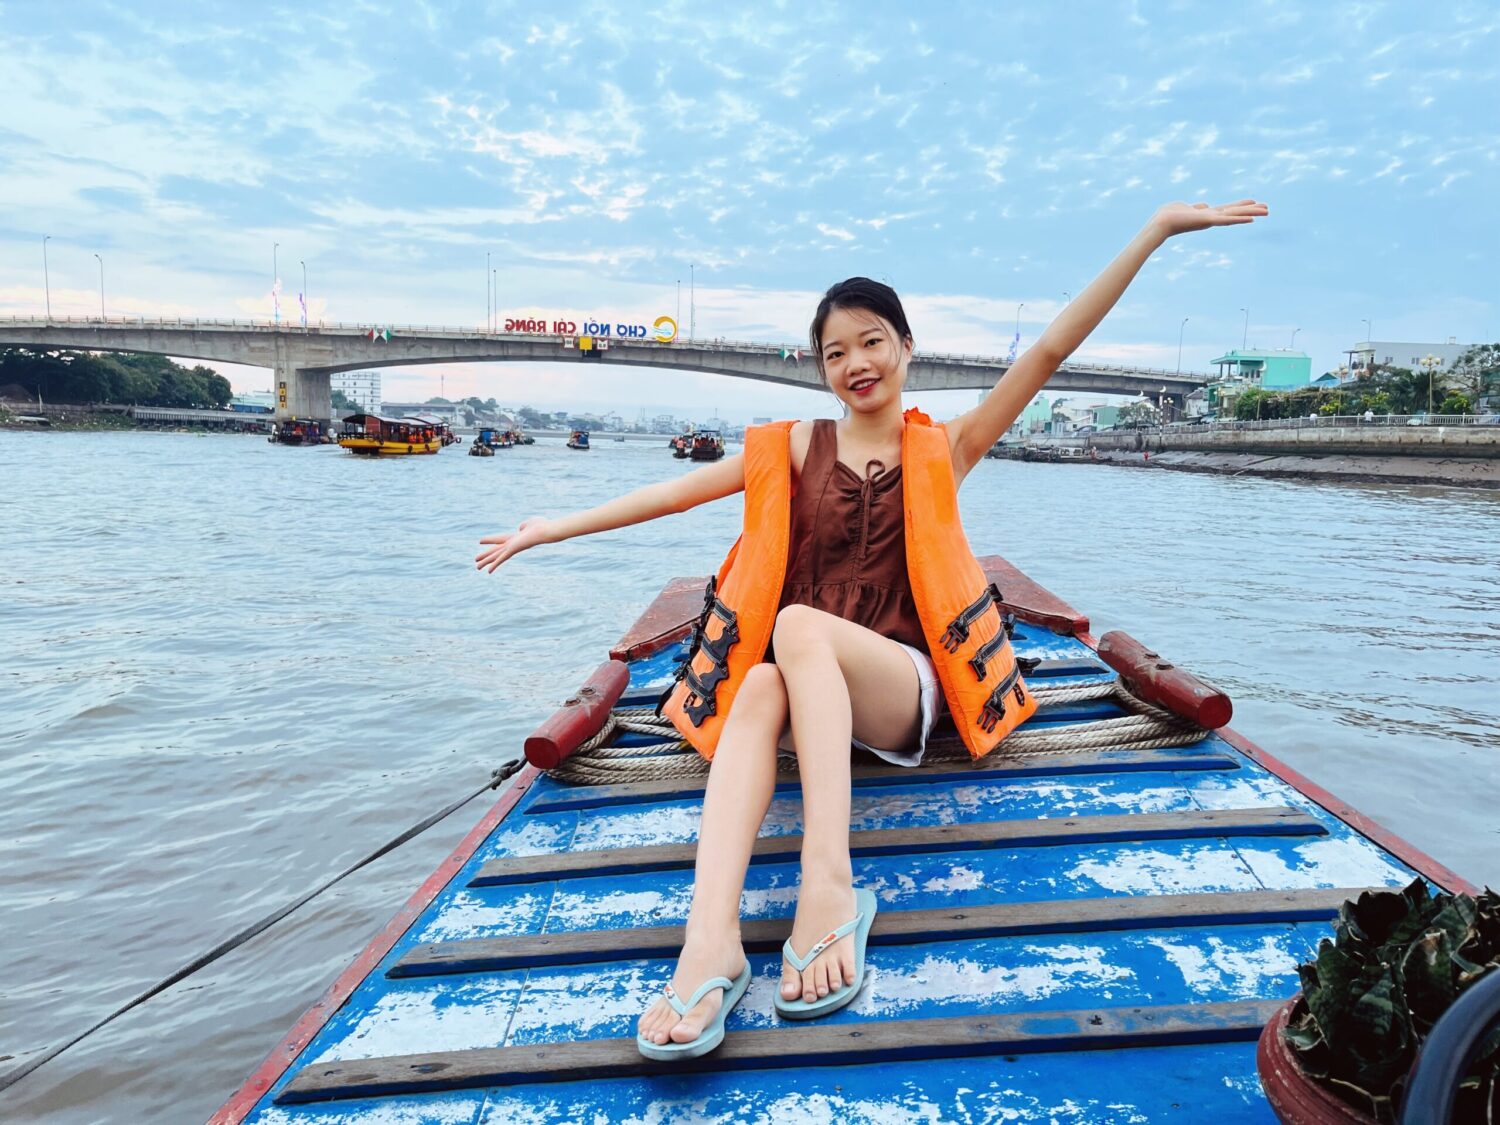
(703, 957)
(823, 905)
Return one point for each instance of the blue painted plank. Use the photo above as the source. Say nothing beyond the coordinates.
(1035, 973)
(921, 882)
(556, 796)
(452, 1107)
(1179, 1084)
(908, 806)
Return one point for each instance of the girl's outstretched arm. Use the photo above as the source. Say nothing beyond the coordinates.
(712, 482)
(972, 434)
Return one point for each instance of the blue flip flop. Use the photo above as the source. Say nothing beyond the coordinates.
(713, 1034)
(859, 926)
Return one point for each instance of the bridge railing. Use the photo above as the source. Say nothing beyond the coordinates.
(343, 328)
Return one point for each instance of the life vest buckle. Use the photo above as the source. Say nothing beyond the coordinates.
(958, 629)
(993, 712)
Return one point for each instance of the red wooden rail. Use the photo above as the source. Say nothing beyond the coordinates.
(1161, 682)
(580, 718)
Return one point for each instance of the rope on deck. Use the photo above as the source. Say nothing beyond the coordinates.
(1147, 728)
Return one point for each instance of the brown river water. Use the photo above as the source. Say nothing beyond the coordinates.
(230, 669)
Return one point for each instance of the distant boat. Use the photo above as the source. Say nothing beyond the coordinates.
(372, 435)
(708, 445)
(300, 431)
(579, 440)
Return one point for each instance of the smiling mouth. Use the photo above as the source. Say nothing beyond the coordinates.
(860, 386)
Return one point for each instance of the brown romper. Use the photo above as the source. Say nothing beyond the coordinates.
(848, 545)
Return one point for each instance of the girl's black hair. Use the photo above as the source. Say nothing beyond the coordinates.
(865, 295)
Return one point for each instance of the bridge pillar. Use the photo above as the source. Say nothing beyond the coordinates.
(300, 393)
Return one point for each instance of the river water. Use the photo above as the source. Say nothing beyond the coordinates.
(232, 668)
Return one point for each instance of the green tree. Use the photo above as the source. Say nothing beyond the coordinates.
(1138, 413)
(342, 403)
(1476, 373)
(1252, 405)
(1456, 403)
(85, 377)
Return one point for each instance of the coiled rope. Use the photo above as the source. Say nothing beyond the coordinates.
(597, 762)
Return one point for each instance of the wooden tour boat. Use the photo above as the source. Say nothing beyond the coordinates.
(1092, 924)
(372, 435)
(579, 440)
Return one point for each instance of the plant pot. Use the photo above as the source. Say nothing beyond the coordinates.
(1296, 1098)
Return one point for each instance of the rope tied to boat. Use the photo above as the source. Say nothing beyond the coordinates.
(597, 762)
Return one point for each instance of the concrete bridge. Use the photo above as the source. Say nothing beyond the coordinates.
(302, 359)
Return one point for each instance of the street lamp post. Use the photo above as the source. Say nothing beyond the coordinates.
(489, 296)
(1430, 363)
(1019, 307)
(101, 286)
(1067, 297)
(46, 276)
(679, 304)
(1293, 345)
(1181, 328)
(275, 284)
(495, 299)
(692, 301)
(1245, 340)
(303, 264)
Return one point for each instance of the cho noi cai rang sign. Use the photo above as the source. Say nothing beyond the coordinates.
(662, 330)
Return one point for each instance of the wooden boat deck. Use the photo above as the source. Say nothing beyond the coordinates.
(1066, 937)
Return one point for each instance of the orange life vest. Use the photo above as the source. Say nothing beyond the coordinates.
(958, 609)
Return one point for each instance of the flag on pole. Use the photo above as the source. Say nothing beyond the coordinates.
(276, 301)
(302, 300)
(1014, 344)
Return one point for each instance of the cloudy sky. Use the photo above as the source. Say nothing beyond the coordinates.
(977, 156)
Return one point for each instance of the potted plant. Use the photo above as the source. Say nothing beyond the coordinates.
(1342, 1049)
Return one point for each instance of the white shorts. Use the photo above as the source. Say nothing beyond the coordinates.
(933, 706)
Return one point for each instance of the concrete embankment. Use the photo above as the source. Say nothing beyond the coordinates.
(1466, 472)
(1463, 455)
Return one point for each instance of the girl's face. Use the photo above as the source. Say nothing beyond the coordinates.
(864, 360)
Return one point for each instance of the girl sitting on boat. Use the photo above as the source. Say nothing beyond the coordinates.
(850, 610)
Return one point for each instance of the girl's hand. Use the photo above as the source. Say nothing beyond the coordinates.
(508, 543)
(1179, 218)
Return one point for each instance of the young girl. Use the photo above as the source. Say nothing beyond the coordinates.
(846, 612)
